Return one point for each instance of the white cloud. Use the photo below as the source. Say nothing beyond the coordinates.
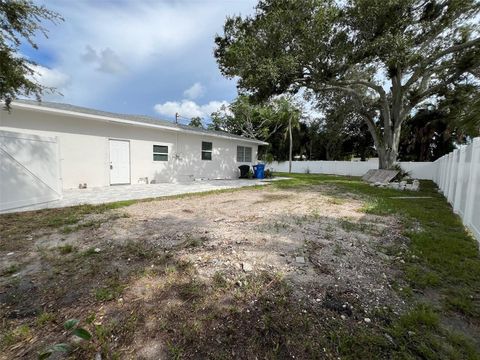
(145, 44)
(99, 39)
(188, 108)
(52, 78)
(195, 91)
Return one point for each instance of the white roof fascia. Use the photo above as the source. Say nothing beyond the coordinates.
(126, 122)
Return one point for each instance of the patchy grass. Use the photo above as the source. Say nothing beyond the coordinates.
(442, 246)
(418, 334)
(219, 280)
(66, 249)
(193, 241)
(10, 337)
(442, 259)
(351, 225)
(45, 318)
(463, 301)
(336, 201)
(91, 224)
(11, 269)
(112, 290)
(254, 315)
(18, 229)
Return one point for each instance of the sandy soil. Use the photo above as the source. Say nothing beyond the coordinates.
(330, 251)
(318, 242)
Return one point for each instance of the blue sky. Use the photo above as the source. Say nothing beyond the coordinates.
(139, 56)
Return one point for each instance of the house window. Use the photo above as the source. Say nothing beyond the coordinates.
(244, 154)
(160, 153)
(207, 150)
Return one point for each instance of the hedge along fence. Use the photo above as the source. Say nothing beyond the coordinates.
(458, 177)
(457, 174)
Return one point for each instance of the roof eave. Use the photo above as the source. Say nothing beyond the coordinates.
(47, 109)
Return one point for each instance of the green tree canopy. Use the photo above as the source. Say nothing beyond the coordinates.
(252, 119)
(343, 133)
(438, 126)
(387, 56)
(196, 122)
(20, 21)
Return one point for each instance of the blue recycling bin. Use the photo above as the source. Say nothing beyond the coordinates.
(259, 171)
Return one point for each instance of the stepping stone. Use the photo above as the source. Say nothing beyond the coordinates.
(379, 176)
(300, 260)
(247, 267)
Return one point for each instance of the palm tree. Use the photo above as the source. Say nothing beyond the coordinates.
(288, 113)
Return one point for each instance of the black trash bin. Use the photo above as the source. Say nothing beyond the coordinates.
(244, 169)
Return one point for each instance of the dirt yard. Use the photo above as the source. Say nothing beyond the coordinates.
(267, 273)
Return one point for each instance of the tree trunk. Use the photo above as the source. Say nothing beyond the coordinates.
(387, 159)
(387, 153)
(291, 145)
(387, 145)
(392, 128)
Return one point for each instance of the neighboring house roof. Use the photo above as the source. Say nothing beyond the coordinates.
(135, 120)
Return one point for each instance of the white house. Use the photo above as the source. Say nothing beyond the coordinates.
(47, 147)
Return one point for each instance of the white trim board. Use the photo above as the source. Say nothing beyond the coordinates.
(103, 118)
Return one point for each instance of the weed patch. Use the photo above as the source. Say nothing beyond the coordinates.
(66, 249)
(443, 257)
(11, 337)
(192, 300)
(111, 291)
(10, 270)
(45, 318)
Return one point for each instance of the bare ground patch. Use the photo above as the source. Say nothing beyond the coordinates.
(249, 273)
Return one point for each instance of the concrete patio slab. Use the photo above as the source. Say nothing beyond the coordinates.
(109, 194)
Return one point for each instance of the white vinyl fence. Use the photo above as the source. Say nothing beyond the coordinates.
(458, 176)
(418, 170)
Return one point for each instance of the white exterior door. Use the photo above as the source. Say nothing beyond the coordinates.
(119, 162)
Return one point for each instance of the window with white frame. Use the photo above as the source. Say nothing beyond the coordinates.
(160, 153)
(207, 148)
(244, 154)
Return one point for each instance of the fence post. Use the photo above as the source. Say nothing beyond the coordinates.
(453, 177)
(473, 181)
(459, 180)
(443, 181)
(440, 172)
(445, 174)
(448, 183)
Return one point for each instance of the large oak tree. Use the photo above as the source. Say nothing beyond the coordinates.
(387, 56)
(20, 22)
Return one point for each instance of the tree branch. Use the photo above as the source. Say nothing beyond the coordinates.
(369, 84)
(432, 90)
(344, 89)
(362, 111)
(373, 129)
(423, 65)
(384, 105)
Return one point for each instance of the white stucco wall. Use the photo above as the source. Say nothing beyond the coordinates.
(84, 149)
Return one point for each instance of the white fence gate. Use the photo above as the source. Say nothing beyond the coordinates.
(458, 176)
(29, 170)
